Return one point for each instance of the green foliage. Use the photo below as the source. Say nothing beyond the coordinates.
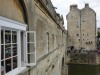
(98, 34)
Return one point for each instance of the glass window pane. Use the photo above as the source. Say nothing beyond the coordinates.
(2, 52)
(14, 62)
(9, 58)
(2, 36)
(14, 36)
(7, 36)
(8, 65)
(7, 51)
(2, 68)
(31, 58)
(30, 37)
(31, 47)
(14, 49)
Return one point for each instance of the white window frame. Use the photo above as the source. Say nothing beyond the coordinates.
(10, 24)
(34, 42)
(11, 43)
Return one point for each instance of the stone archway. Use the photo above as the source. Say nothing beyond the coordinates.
(24, 11)
(14, 10)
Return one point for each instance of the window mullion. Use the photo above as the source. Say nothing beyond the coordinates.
(4, 52)
(24, 48)
(0, 50)
(11, 53)
(19, 48)
(30, 42)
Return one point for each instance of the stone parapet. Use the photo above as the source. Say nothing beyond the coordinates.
(52, 12)
(84, 57)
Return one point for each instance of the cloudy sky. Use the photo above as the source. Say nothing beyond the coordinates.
(63, 7)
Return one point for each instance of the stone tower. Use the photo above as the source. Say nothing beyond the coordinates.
(81, 26)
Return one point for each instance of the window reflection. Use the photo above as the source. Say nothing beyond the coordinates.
(2, 68)
(14, 49)
(2, 52)
(14, 36)
(14, 62)
(30, 47)
(9, 56)
(7, 36)
(2, 37)
(31, 58)
(30, 37)
(7, 51)
(8, 65)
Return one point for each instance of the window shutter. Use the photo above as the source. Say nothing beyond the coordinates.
(30, 48)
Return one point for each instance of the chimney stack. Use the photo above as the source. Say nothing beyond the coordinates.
(73, 7)
(86, 5)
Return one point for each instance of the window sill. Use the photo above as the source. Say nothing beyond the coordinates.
(31, 65)
(17, 71)
(20, 70)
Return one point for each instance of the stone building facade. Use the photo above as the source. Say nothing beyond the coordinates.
(32, 38)
(82, 27)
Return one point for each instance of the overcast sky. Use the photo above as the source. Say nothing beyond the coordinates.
(63, 7)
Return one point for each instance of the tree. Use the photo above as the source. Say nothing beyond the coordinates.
(98, 36)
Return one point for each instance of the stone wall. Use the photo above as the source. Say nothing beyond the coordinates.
(48, 62)
(83, 58)
(82, 27)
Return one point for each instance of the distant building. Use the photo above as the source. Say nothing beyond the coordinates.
(81, 26)
(98, 29)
